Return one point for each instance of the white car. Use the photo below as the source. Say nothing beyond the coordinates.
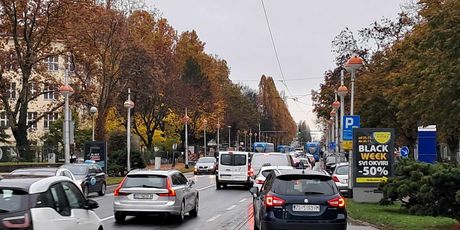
(45, 203)
(46, 172)
(233, 168)
(340, 177)
(264, 172)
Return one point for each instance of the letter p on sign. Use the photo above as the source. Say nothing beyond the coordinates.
(349, 122)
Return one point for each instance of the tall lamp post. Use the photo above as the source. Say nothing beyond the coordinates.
(336, 106)
(128, 105)
(205, 122)
(218, 131)
(185, 120)
(66, 90)
(333, 113)
(353, 64)
(93, 111)
(245, 143)
(229, 127)
(342, 91)
(250, 140)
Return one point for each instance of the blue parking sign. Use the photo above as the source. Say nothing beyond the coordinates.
(349, 122)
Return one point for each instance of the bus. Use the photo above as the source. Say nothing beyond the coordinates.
(263, 147)
(313, 148)
(284, 148)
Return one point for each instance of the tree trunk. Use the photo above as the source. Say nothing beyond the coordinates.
(101, 120)
(22, 143)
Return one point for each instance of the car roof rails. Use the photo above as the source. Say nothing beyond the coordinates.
(266, 164)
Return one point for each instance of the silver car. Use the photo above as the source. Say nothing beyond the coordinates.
(147, 192)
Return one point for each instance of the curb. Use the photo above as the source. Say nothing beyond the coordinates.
(351, 219)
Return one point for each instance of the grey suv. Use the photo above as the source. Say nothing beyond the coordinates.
(148, 192)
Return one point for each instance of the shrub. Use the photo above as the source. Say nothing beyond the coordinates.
(117, 162)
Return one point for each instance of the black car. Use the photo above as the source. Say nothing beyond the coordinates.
(298, 199)
(91, 177)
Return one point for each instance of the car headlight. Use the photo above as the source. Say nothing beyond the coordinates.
(211, 167)
(196, 167)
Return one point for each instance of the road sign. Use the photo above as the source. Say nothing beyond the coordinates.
(349, 122)
(404, 151)
(347, 145)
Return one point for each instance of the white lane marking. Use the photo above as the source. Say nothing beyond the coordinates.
(209, 186)
(243, 200)
(231, 207)
(107, 218)
(213, 218)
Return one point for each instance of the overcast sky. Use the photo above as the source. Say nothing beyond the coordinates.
(236, 31)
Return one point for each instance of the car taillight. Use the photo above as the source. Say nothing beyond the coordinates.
(335, 179)
(259, 181)
(17, 221)
(171, 191)
(337, 202)
(250, 171)
(271, 201)
(117, 192)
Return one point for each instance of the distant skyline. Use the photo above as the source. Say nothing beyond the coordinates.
(236, 30)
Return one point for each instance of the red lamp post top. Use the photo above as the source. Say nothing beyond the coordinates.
(186, 119)
(218, 125)
(336, 104)
(333, 113)
(128, 104)
(342, 90)
(66, 90)
(355, 62)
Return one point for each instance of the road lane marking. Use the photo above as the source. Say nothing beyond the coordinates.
(213, 218)
(107, 218)
(231, 207)
(209, 186)
(243, 200)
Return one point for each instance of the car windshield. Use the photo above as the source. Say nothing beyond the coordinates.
(274, 160)
(342, 170)
(77, 169)
(34, 172)
(303, 185)
(145, 181)
(207, 160)
(265, 173)
(12, 200)
(331, 160)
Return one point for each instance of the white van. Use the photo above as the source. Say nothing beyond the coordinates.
(233, 168)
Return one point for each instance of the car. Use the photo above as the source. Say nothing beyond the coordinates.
(265, 171)
(332, 161)
(205, 165)
(46, 172)
(90, 177)
(45, 203)
(304, 163)
(298, 199)
(153, 192)
(274, 159)
(233, 168)
(311, 158)
(340, 177)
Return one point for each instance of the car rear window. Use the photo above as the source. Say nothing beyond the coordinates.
(341, 170)
(77, 169)
(233, 159)
(226, 159)
(239, 159)
(12, 200)
(145, 181)
(303, 185)
(265, 173)
(273, 160)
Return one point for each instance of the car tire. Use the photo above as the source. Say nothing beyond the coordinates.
(103, 189)
(180, 218)
(224, 186)
(255, 225)
(218, 185)
(85, 191)
(194, 211)
(194, 173)
(120, 217)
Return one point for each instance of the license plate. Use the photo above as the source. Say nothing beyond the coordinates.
(143, 196)
(345, 181)
(305, 208)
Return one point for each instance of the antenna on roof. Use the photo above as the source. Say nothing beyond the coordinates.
(303, 167)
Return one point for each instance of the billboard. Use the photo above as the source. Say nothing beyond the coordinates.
(97, 151)
(373, 158)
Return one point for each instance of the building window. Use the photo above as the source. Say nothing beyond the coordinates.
(12, 91)
(3, 119)
(31, 116)
(53, 63)
(33, 89)
(49, 92)
(49, 119)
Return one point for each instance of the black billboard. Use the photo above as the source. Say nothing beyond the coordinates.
(97, 151)
(373, 156)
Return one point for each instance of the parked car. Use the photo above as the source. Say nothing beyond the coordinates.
(264, 172)
(45, 203)
(274, 159)
(298, 199)
(147, 192)
(205, 165)
(90, 177)
(233, 168)
(340, 177)
(46, 172)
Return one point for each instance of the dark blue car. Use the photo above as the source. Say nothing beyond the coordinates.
(298, 199)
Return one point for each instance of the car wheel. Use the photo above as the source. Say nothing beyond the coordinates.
(120, 217)
(224, 186)
(180, 218)
(103, 189)
(218, 185)
(255, 225)
(194, 211)
(86, 191)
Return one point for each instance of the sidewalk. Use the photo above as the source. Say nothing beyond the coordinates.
(178, 166)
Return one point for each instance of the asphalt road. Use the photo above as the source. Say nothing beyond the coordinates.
(229, 208)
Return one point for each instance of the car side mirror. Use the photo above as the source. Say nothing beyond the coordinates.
(254, 191)
(90, 204)
(191, 182)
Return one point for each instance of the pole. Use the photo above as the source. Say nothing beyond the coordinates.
(218, 131)
(229, 145)
(352, 91)
(259, 132)
(186, 140)
(245, 143)
(205, 152)
(93, 128)
(128, 134)
(66, 122)
(342, 107)
(337, 125)
(238, 140)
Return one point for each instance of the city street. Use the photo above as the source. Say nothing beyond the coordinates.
(229, 208)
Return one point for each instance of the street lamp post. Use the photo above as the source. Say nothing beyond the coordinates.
(336, 106)
(218, 131)
(353, 64)
(342, 91)
(66, 90)
(93, 111)
(250, 140)
(245, 143)
(185, 120)
(128, 105)
(237, 140)
(205, 122)
(229, 127)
